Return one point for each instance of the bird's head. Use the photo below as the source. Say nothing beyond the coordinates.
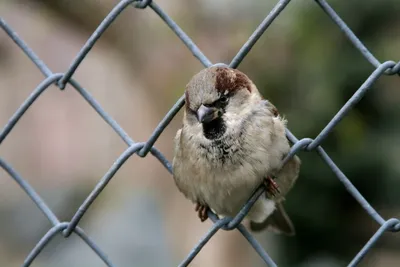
(218, 98)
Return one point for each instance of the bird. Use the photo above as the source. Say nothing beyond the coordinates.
(231, 142)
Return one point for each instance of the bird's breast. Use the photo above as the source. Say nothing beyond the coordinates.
(223, 177)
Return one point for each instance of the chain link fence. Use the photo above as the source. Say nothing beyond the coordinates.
(143, 148)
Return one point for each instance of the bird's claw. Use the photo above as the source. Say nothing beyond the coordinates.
(271, 186)
(202, 212)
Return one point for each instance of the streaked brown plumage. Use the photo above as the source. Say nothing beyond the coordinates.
(231, 141)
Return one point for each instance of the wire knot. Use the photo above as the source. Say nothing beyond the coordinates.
(394, 70)
(142, 4)
(396, 227)
(393, 225)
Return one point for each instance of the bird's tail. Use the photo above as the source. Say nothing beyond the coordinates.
(278, 222)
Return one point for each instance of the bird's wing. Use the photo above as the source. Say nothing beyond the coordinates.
(179, 172)
(288, 174)
(177, 142)
(287, 177)
(279, 221)
(177, 155)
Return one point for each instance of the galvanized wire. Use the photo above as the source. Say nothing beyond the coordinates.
(142, 148)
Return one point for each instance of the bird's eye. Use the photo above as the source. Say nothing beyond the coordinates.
(223, 99)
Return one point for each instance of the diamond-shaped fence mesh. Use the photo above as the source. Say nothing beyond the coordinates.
(143, 148)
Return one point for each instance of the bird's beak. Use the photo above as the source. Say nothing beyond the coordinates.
(207, 114)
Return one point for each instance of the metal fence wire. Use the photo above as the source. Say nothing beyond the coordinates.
(142, 149)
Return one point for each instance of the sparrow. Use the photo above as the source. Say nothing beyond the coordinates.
(232, 141)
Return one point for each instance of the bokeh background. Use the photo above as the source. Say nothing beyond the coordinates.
(136, 71)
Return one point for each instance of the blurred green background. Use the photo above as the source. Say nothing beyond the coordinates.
(137, 70)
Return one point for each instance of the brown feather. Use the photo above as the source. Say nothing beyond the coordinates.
(231, 80)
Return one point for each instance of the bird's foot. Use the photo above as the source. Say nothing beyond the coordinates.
(202, 211)
(271, 186)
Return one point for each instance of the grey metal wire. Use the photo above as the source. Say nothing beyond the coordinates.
(142, 149)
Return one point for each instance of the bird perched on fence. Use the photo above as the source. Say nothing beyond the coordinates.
(231, 141)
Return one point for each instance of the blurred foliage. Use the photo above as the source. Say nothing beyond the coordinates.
(321, 71)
